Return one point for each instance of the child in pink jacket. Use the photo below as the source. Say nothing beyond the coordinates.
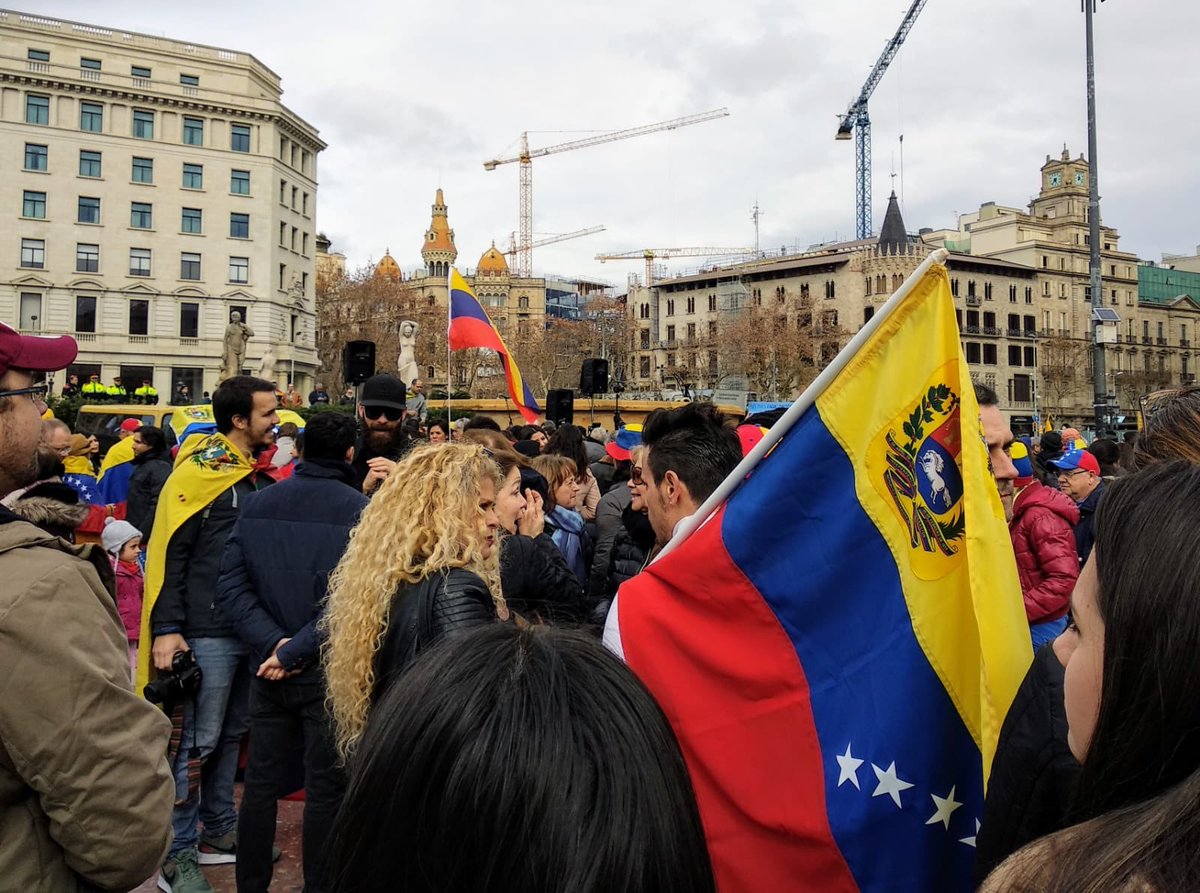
(122, 541)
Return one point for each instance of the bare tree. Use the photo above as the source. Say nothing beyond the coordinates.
(1066, 369)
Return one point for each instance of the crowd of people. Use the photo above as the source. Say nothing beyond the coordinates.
(404, 617)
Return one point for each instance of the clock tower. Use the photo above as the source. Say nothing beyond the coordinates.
(1064, 191)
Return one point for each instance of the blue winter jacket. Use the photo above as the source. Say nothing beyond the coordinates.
(277, 561)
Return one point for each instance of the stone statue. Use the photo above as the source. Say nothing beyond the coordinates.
(406, 364)
(266, 368)
(233, 355)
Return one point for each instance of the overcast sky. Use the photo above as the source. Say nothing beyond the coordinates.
(410, 96)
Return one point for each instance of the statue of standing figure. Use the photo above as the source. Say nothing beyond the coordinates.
(406, 364)
(233, 355)
(266, 368)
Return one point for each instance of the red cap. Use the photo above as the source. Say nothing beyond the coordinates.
(131, 424)
(37, 353)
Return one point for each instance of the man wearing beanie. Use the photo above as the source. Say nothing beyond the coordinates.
(1041, 526)
(382, 442)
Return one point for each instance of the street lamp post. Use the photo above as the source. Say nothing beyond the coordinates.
(1099, 380)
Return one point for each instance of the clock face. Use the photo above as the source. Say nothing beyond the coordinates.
(1080, 178)
(1056, 179)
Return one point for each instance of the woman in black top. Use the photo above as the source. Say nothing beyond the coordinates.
(422, 563)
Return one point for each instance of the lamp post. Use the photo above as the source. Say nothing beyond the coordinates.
(1099, 380)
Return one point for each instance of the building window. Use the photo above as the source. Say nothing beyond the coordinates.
(87, 258)
(193, 221)
(139, 262)
(139, 317)
(85, 313)
(143, 124)
(143, 170)
(1014, 355)
(1028, 294)
(89, 210)
(189, 320)
(239, 182)
(190, 80)
(644, 368)
(830, 289)
(193, 176)
(239, 226)
(523, 302)
(38, 55)
(37, 158)
(37, 109)
(31, 312)
(141, 215)
(304, 204)
(89, 64)
(1030, 356)
(239, 270)
(304, 244)
(33, 254)
(34, 205)
(295, 195)
(670, 307)
(989, 355)
(193, 131)
(91, 117)
(140, 71)
(712, 303)
(239, 138)
(691, 305)
(89, 163)
(283, 192)
(1012, 294)
(189, 266)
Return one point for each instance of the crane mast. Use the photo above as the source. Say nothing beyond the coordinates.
(858, 120)
(526, 155)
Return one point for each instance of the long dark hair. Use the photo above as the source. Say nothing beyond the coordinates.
(509, 759)
(567, 440)
(1140, 783)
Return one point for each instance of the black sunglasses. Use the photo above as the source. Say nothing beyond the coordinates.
(374, 412)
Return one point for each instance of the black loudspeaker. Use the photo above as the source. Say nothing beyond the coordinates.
(358, 361)
(593, 377)
(560, 406)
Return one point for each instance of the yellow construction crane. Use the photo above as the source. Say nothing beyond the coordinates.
(650, 254)
(526, 156)
(550, 240)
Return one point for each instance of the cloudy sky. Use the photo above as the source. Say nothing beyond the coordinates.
(411, 96)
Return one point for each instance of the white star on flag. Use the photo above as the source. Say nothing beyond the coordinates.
(945, 808)
(848, 764)
(970, 841)
(889, 783)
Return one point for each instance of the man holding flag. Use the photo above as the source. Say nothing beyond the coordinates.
(837, 633)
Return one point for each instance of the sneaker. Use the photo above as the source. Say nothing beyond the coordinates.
(182, 874)
(223, 850)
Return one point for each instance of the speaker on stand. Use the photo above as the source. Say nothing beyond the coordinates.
(593, 380)
(358, 363)
(560, 406)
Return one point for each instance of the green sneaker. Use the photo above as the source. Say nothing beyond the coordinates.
(182, 874)
(223, 850)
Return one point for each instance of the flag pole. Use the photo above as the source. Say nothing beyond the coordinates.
(449, 377)
(725, 489)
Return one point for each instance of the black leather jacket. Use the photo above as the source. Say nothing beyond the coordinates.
(423, 612)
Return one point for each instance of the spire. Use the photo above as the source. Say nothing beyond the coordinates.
(439, 250)
(893, 237)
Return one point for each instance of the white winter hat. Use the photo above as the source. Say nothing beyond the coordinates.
(116, 534)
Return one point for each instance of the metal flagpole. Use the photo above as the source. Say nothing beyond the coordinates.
(449, 377)
(689, 525)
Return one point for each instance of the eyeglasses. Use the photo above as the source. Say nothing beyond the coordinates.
(392, 413)
(37, 393)
(1072, 473)
(635, 476)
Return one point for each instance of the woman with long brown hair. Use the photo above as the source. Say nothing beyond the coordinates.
(422, 562)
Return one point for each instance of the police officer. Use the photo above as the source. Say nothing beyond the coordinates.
(117, 392)
(94, 390)
(146, 393)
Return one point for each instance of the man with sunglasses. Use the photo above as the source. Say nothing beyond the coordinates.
(1079, 477)
(85, 789)
(382, 441)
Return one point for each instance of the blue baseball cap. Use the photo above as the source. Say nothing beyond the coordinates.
(1076, 458)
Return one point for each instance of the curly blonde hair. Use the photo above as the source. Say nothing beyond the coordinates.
(424, 519)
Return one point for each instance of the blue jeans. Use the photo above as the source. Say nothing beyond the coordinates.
(1041, 633)
(214, 722)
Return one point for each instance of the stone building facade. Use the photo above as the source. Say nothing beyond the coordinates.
(161, 186)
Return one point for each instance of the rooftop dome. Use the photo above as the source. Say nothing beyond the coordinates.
(492, 263)
(387, 267)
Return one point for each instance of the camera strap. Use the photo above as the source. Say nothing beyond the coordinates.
(175, 744)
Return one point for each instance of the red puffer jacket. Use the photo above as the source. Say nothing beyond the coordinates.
(1043, 538)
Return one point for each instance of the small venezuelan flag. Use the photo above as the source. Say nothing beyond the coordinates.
(837, 646)
(470, 327)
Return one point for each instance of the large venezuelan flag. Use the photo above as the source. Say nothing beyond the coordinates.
(837, 646)
(116, 471)
(470, 327)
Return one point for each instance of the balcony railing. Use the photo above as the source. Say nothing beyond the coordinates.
(1145, 339)
(974, 300)
(1161, 340)
(1183, 342)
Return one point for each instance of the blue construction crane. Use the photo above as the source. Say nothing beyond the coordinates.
(856, 119)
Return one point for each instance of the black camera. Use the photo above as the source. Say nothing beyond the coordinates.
(181, 682)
